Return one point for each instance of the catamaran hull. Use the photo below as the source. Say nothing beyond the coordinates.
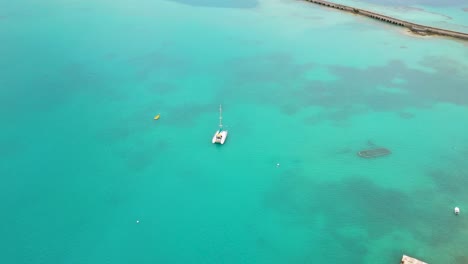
(221, 140)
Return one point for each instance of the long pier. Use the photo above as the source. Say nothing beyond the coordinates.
(416, 28)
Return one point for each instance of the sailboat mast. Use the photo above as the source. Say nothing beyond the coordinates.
(220, 118)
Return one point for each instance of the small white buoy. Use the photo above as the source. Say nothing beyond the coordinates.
(277, 164)
(138, 221)
(456, 210)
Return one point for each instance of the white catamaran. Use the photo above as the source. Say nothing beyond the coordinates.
(220, 135)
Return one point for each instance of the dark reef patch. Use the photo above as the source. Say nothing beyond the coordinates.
(449, 182)
(363, 202)
(278, 80)
(337, 116)
(364, 206)
(186, 115)
(134, 123)
(356, 86)
(44, 91)
(375, 210)
(144, 154)
(156, 63)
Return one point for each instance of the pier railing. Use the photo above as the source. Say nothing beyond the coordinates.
(416, 28)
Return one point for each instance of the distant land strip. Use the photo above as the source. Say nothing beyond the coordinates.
(415, 28)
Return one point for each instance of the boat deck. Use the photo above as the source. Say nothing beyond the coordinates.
(409, 260)
(374, 153)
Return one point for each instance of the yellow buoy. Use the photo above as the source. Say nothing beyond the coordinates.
(157, 117)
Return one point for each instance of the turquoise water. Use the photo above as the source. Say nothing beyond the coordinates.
(450, 14)
(82, 159)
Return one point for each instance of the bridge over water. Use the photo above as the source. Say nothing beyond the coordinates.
(416, 28)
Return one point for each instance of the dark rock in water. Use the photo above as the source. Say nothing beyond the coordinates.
(374, 153)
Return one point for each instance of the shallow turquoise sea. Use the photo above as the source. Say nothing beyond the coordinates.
(82, 160)
(448, 14)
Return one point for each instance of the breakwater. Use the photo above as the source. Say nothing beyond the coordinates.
(416, 28)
